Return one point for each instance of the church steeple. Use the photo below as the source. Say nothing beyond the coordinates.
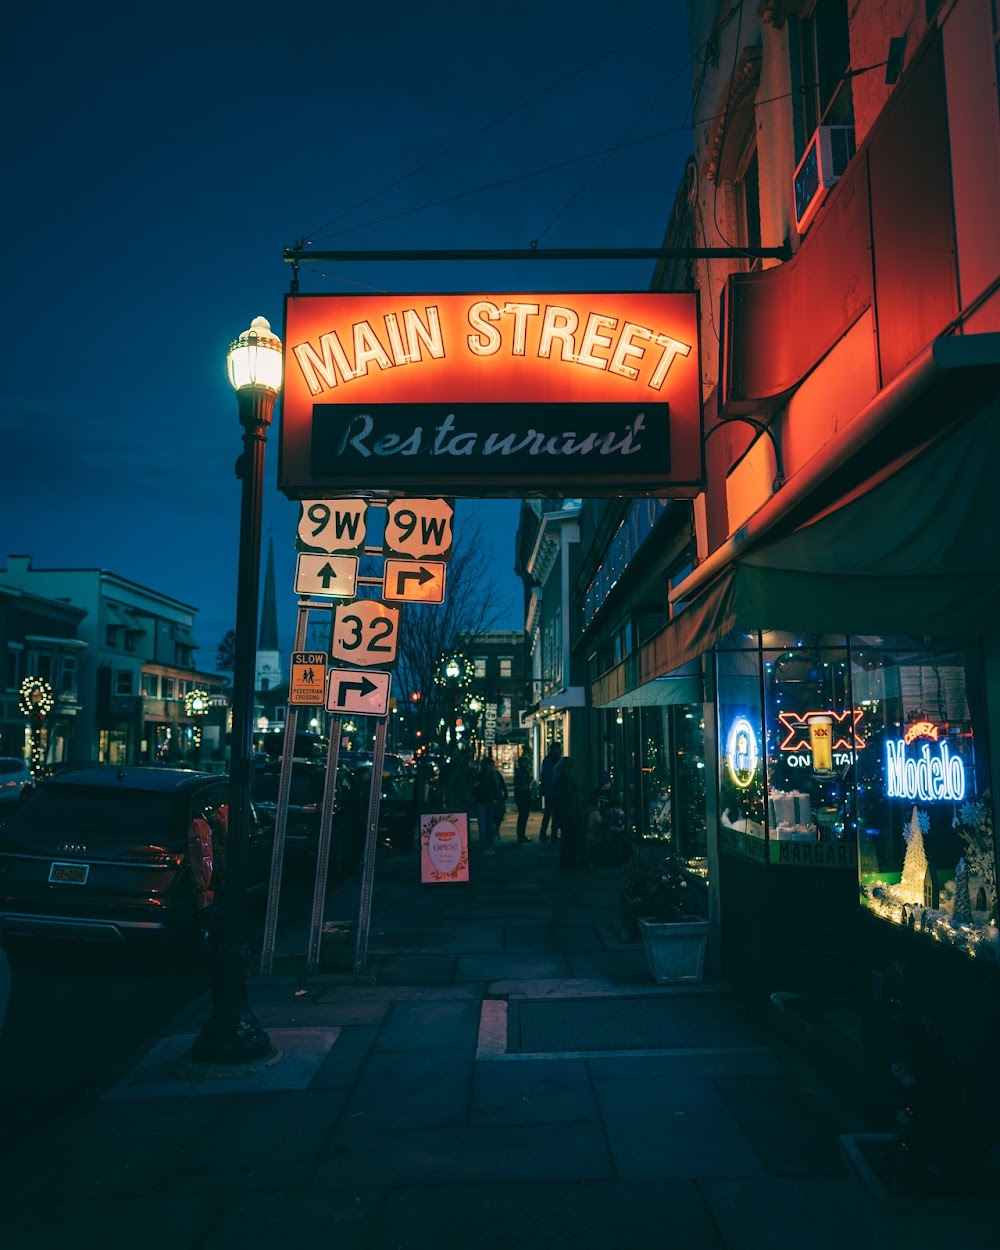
(268, 655)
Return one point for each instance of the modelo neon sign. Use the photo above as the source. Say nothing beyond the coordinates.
(929, 777)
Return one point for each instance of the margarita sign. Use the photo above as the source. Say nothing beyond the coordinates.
(492, 394)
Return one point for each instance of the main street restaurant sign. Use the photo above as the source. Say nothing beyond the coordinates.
(490, 395)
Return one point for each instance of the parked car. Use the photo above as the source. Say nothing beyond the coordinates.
(16, 781)
(397, 823)
(109, 853)
(305, 809)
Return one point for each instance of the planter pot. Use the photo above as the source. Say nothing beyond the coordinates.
(675, 949)
(907, 1220)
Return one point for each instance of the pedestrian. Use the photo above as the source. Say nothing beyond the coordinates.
(522, 793)
(489, 793)
(568, 805)
(548, 790)
(458, 784)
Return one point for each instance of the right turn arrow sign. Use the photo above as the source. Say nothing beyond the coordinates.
(360, 691)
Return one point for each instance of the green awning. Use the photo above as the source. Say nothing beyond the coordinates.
(914, 551)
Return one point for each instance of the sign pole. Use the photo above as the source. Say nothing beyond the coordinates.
(371, 839)
(323, 849)
(281, 815)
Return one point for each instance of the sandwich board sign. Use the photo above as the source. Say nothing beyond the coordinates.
(444, 846)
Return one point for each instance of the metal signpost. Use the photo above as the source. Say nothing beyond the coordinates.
(364, 633)
(323, 849)
(281, 814)
(371, 839)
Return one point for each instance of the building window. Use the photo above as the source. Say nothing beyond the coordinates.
(124, 681)
(168, 686)
(552, 654)
(67, 674)
(825, 58)
(151, 685)
(747, 189)
(111, 633)
(40, 664)
(15, 665)
(506, 665)
(479, 665)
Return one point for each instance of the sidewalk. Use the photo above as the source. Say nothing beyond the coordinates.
(504, 1074)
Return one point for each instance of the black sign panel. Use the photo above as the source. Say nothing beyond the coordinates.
(403, 446)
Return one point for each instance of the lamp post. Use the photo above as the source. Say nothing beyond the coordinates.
(233, 1034)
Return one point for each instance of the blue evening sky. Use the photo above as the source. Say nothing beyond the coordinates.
(158, 160)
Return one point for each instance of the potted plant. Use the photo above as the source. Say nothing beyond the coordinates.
(662, 904)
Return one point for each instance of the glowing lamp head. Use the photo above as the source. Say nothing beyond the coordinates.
(255, 358)
(451, 670)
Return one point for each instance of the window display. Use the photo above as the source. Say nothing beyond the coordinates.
(869, 754)
(927, 859)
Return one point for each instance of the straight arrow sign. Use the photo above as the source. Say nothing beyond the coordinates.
(336, 576)
(413, 581)
(362, 692)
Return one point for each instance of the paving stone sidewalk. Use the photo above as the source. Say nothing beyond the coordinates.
(503, 1073)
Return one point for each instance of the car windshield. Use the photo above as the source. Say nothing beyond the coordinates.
(115, 815)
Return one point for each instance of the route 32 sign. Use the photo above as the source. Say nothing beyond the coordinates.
(365, 632)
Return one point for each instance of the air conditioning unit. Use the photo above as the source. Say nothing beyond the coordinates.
(825, 159)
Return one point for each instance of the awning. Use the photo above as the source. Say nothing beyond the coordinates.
(686, 685)
(916, 552)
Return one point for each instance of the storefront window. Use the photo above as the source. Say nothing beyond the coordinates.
(741, 752)
(927, 858)
(656, 757)
(811, 745)
(865, 754)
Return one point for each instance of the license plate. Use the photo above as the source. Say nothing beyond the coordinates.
(69, 874)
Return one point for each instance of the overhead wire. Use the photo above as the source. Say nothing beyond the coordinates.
(321, 230)
(575, 160)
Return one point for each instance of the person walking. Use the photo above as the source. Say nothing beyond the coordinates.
(547, 787)
(522, 793)
(458, 784)
(569, 813)
(489, 793)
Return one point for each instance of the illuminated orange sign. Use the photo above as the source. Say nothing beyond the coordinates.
(921, 729)
(488, 394)
(800, 734)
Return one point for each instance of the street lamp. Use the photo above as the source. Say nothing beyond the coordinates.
(233, 1034)
(454, 673)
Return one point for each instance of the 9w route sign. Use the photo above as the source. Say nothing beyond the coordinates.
(421, 529)
(332, 525)
(365, 632)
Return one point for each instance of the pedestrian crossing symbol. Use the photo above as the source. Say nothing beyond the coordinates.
(307, 682)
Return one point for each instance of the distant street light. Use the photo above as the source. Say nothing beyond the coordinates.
(455, 673)
(233, 1034)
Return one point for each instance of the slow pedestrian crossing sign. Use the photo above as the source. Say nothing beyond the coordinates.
(307, 679)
